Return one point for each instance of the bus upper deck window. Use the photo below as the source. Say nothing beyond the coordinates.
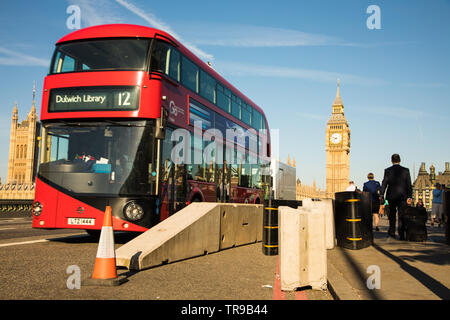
(108, 54)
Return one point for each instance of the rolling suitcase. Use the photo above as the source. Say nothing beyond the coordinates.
(415, 219)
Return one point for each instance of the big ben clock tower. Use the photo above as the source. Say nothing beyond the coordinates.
(337, 135)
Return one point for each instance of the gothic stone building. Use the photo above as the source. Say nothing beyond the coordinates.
(23, 155)
(425, 183)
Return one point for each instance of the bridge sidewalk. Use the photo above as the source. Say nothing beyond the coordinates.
(408, 270)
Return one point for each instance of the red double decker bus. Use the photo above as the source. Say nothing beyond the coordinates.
(121, 105)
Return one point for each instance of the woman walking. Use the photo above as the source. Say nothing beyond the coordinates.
(374, 188)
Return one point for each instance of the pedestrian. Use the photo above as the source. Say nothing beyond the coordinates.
(374, 188)
(397, 186)
(436, 205)
(351, 186)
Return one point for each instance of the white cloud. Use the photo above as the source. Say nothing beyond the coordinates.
(96, 13)
(106, 12)
(255, 36)
(397, 112)
(313, 116)
(159, 24)
(241, 69)
(425, 85)
(13, 58)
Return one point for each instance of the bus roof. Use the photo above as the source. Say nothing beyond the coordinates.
(131, 30)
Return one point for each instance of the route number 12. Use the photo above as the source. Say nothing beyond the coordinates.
(124, 98)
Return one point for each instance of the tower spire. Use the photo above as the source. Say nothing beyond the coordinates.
(33, 106)
(338, 100)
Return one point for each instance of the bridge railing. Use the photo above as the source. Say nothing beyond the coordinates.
(15, 205)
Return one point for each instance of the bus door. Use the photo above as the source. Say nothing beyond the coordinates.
(173, 187)
(167, 174)
(179, 187)
(226, 182)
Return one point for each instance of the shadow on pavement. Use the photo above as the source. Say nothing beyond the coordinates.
(427, 255)
(432, 284)
(361, 275)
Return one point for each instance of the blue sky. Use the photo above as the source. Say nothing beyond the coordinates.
(286, 56)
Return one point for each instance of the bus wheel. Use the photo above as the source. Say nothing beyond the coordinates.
(94, 233)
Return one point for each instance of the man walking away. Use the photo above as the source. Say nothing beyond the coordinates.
(436, 208)
(397, 186)
(374, 188)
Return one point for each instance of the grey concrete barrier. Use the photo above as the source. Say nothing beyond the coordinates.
(197, 229)
(302, 252)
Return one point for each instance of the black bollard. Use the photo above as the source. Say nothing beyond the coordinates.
(270, 225)
(353, 219)
(270, 231)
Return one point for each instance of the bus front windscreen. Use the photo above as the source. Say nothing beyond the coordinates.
(111, 158)
(100, 55)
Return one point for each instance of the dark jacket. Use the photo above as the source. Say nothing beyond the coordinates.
(373, 187)
(396, 183)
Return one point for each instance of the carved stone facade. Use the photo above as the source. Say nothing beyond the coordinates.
(425, 183)
(306, 191)
(337, 146)
(23, 153)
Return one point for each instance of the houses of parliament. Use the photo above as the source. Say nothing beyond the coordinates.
(23, 155)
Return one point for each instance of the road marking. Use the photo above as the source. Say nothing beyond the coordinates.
(53, 237)
(23, 242)
(7, 228)
(277, 293)
(300, 295)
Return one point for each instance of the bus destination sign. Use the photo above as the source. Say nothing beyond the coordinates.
(94, 99)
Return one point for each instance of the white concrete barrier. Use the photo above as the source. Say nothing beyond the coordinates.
(302, 251)
(197, 229)
(325, 205)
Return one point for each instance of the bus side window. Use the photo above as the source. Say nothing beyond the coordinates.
(58, 63)
(174, 67)
(246, 173)
(256, 175)
(159, 57)
(68, 64)
(189, 74)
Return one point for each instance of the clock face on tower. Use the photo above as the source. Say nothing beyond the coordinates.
(335, 138)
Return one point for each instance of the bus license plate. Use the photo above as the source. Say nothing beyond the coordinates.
(81, 221)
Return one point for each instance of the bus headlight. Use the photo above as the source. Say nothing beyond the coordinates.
(133, 211)
(37, 208)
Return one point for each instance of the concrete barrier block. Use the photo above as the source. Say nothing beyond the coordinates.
(302, 251)
(240, 224)
(325, 205)
(191, 232)
(259, 222)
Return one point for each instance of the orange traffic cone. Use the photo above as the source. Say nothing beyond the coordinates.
(105, 261)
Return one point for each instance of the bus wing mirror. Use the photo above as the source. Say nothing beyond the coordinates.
(160, 128)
